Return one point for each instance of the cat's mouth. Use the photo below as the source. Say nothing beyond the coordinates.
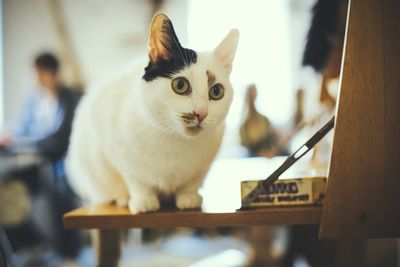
(193, 130)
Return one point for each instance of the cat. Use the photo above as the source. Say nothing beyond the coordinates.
(145, 133)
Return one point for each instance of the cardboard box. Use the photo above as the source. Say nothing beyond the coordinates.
(288, 191)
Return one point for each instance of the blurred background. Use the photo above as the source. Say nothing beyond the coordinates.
(93, 38)
(285, 78)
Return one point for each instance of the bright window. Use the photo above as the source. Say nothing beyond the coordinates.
(263, 55)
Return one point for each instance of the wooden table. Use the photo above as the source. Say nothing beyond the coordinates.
(221, 194)
(111, 217)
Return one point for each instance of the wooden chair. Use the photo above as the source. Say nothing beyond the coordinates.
(363, 186)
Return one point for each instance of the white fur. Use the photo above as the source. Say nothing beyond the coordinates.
(129, 143)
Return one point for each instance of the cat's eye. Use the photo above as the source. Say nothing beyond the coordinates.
(181, 86)
(216, 92)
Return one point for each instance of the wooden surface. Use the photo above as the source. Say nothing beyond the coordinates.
(363, 198)
(221, 194)
(112, 217)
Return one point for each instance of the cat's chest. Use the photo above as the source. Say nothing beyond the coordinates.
(172, 153)
(156, 156)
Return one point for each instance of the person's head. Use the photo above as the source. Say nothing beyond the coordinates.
(47, 66)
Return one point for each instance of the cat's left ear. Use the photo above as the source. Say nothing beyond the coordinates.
(163, 40)
(226, 50)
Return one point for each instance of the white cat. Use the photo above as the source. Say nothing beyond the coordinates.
(155, 131)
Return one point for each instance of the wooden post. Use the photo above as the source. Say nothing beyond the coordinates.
(363, 190)
(107, 243)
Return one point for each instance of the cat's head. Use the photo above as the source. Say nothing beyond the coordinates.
(184, 91)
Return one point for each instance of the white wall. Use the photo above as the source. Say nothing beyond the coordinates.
(105, 34)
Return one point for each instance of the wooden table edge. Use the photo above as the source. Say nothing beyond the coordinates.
(90, 218)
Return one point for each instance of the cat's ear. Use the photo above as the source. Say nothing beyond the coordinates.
(226, 50)
(163, 40)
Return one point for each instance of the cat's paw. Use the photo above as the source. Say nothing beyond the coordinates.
(147, 203)
(188, 200)
(122, 201)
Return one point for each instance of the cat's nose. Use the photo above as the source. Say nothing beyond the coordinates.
(201, 115)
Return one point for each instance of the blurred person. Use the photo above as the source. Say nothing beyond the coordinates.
(47, 116)
(44, 128)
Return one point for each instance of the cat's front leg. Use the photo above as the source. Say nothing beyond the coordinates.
(188, 196)
(142, 197)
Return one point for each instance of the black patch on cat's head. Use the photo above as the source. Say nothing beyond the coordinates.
(166, 54)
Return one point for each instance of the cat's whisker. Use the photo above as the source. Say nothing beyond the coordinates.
(154, 136)
(142, 141)
(147, 137)
(158, 135)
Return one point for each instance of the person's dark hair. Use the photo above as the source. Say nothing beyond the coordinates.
(322, 34)
(47, 61)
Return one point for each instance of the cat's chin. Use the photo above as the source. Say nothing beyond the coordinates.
(191, 132)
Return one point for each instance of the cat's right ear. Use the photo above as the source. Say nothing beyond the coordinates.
(226, 50)
(163, 40)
